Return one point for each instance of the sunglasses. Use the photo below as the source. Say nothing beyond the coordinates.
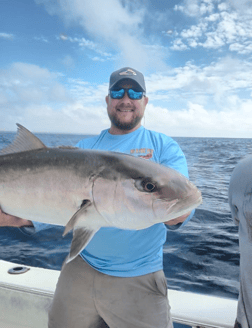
(132, 94)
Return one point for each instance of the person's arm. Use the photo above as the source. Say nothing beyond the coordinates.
(7, 220)
(25, 226)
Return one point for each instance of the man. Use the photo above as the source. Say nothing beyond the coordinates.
(118, 281)
(240, 201)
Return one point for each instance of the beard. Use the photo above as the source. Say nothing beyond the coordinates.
(122, 125)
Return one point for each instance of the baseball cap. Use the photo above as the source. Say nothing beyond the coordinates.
(127, 73)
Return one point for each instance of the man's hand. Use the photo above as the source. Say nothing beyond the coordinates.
(7, 220)
(178, 220)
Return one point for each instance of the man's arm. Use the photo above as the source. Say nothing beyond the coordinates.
(7, 220)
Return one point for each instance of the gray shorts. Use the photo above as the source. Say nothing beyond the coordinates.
(86, 298)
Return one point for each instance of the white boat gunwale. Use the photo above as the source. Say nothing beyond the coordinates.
(26, 296)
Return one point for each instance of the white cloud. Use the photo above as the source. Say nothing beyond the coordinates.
(115, 23)
(212, 17)
(195, 8)
(223, 6)
(23, 83)
(213, 41)
(219, 24)
(41, 38)
(243, 49)
(75, 118)
(194, 31)
(96, 58)
(88, 44)
(192, 100)
(189, 100)
(179, 45)
(88, 95)
(243, 6)
(226, 75)
(7, 36)
(63, 37)
(196, 121)
(37, 98)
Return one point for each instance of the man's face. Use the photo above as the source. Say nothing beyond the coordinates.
(126, 114)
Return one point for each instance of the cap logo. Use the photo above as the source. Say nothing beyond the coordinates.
(128, 72)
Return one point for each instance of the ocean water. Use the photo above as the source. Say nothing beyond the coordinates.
(202, 257)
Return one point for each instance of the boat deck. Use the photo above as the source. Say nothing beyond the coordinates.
(25, 299)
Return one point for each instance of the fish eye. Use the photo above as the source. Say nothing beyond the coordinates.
(149, 186)
(145, 185)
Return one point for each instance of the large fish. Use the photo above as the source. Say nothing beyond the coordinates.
(89, 189)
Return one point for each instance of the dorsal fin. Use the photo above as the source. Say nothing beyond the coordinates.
(24, 141)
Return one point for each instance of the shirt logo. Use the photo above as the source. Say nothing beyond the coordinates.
(128, 72)
(145, 153)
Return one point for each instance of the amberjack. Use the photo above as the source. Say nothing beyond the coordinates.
(85, 189)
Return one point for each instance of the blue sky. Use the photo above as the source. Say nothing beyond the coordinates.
(196, 55)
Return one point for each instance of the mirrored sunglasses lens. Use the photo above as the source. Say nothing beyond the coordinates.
(135, 94)
(117, 94)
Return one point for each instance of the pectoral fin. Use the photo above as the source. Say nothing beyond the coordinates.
(85, 223)
(76, 217)
(81, 237)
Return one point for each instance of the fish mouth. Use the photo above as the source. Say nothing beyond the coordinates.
(186, 204)
(172, 209)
